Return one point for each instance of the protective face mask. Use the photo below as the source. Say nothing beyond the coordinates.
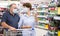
(15, 11)
(25, 9)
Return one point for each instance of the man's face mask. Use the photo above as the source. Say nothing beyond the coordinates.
(15, 11)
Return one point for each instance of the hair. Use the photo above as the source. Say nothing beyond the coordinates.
(28, 5)
(12, 4)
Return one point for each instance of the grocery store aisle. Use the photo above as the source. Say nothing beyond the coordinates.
(40, 32)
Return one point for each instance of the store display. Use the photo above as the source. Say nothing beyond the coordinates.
(52, 12)
(42, 11)
(45, 12)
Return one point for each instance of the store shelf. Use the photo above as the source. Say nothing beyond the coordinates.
(44, 21)
(42, 27)
(52, 13)
(43, 6)
(52, 32)
(44, 11)
(56, 17)
(42, 16)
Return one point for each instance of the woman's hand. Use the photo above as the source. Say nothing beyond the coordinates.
(24, 27)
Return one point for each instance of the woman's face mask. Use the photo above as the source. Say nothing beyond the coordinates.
(25, 9)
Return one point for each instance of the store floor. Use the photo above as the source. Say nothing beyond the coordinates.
(40, 32)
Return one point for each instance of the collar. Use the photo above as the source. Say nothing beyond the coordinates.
(11, 14)
(27, 15)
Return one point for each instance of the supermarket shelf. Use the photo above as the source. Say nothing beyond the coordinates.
(45, 6)
(52, 6)
(42, 16)
(56, 17)
(41, 27)
(44, 21)
(52, 32)
(51, 13)
(44, 11)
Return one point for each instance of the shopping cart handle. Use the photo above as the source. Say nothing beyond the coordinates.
(18, 29)
(15, 30)
(22, 29)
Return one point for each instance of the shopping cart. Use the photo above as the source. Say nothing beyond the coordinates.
(17, 32)
(1, 31)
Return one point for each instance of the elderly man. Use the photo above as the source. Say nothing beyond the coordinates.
(10, 19)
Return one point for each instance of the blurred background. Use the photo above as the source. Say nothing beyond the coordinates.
(47, 10)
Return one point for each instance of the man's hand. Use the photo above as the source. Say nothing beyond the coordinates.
(12, 28)
(5, 25)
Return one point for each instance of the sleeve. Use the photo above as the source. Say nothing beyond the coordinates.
(18, 18)
(4, 18)
(20, 22)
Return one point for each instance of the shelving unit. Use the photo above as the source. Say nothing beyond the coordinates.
(44, 14)
(42, 11)
(52, 12)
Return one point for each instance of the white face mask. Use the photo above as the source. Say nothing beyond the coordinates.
(15, 11)
(25, 9)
